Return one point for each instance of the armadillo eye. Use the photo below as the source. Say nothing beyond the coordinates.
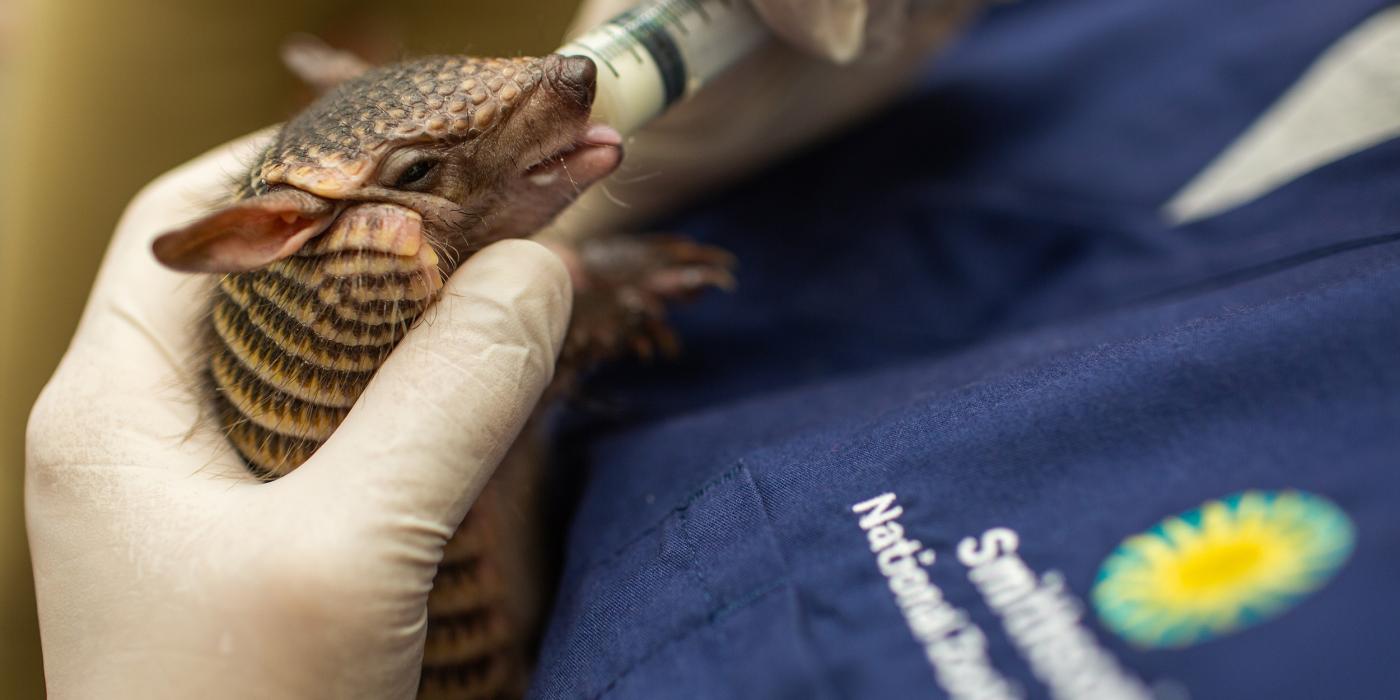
(415, 173)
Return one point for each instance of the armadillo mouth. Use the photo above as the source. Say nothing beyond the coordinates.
(590, 156)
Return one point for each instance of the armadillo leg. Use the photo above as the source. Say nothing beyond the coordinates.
(623, 285)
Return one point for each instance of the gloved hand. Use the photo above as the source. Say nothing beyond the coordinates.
(838, 61)
(164, 570)
(842, 31)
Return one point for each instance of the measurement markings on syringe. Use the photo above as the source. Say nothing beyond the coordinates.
(655, 54)
(649, 28)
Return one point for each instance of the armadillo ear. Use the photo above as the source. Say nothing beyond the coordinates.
(318, 64)
(247, 234)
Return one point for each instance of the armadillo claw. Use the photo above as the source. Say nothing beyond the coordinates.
(627, 284)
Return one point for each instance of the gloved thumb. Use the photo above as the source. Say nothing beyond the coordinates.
(435, 421)
(842, 31)
(832, 29)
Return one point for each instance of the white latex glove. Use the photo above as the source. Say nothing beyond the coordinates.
(842, 31)
(838, 61)
(165, 571)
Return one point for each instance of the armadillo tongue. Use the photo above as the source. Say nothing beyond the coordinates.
(592, 157)
(545, 189)
(602, 135)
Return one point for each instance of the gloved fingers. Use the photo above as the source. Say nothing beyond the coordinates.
(434, 422)
(127, 388)
(131, 284)
(830, 29)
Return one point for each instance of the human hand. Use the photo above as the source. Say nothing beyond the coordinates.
(842, 31)
(163, 569)
(838, 61)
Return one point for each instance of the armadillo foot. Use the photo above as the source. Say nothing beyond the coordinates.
(623, 286)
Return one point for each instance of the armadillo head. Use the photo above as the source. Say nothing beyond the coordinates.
(477, 149)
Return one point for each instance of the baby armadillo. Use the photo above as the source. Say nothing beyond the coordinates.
(341, 235)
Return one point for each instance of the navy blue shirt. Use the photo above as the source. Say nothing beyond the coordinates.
(981, 422)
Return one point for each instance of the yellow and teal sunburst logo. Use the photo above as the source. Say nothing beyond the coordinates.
(1222, 567)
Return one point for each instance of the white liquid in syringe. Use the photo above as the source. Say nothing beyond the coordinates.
(662, 51)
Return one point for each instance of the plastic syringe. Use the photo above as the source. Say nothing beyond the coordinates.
(662, 51)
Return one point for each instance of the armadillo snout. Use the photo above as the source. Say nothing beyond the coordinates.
(574, 77)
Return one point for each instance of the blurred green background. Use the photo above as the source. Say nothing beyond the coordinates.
(97, 97)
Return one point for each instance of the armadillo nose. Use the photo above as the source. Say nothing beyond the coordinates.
(577, 77)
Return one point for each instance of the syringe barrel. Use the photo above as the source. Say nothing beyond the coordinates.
(661, 51)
